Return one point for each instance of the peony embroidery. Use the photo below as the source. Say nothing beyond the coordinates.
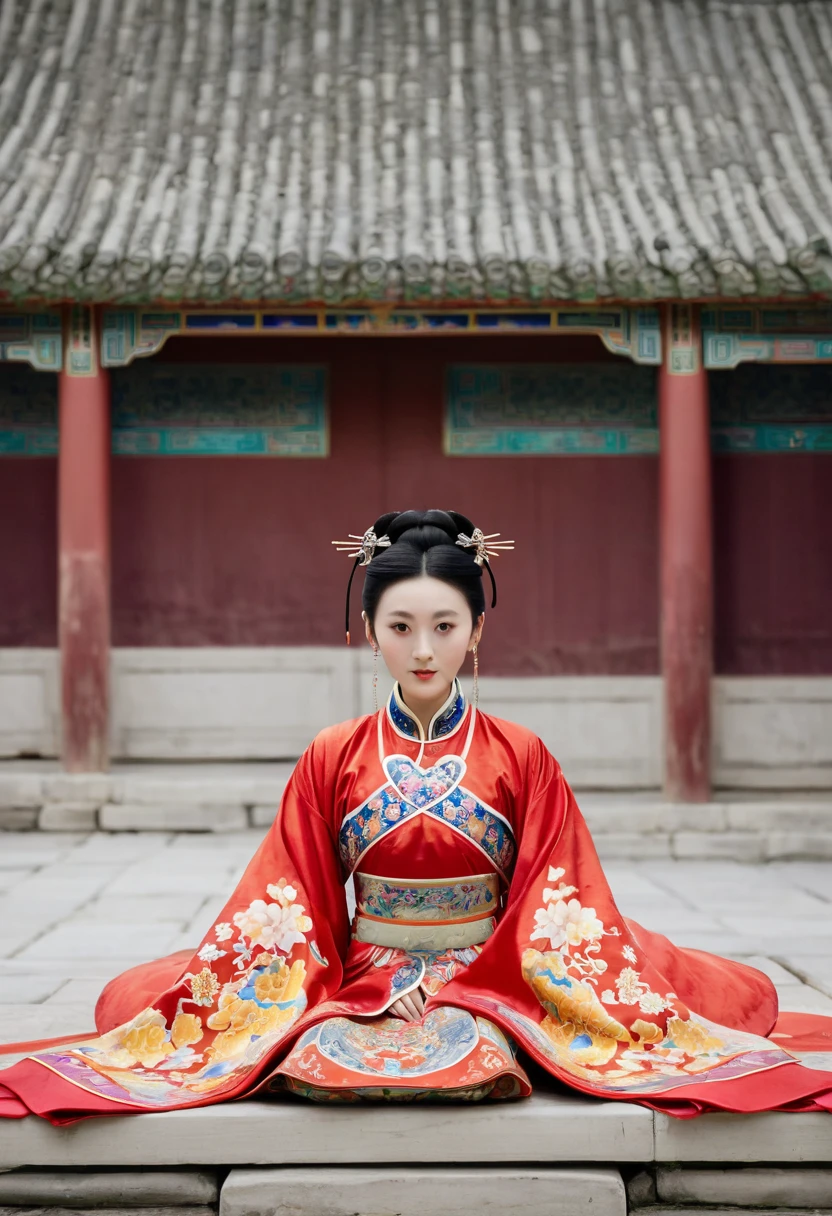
(273, 925)
(566, 923)
(204, 987)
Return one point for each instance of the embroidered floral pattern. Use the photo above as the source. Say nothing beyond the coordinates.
(152, 1062)
(442, 901)
(424, 788)
(461, 810)
(581, 1035)
(204, 987)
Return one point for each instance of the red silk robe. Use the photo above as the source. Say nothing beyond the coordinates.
(278, 996)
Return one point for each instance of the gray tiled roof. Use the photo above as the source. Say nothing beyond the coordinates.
(439, 149)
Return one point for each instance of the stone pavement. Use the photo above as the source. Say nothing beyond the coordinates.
(76, 908)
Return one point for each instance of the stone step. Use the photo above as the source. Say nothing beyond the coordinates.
(549, 1128)
(83, 1188)
(415, 1190)
(776, 1137)
(145, 1209)
(746, 1187)
(663, 1210)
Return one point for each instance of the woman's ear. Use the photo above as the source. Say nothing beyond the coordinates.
(476, 632)
(368, 629)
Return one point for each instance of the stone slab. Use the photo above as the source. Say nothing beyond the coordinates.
(10, 878)
(661, 1210)
(769, 1187)
(798, 845)
(21, 1023)
(77, 787)
(20, 789)
(68, 816)
(171, 817)
(134, 1189)
(155, 1210)
(415, 1190)
(735, 846)
(771, 815)
(114, 940)
(776, 1137)
(146, 908)
(18, 818)
(632, 845)
(179, 790)
(28, 988)
(547, 1128)
(263, 815)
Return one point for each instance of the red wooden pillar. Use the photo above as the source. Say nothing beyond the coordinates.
(84, 545)
(686, 557)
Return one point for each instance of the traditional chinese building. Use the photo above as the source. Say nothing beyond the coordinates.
(270, 269)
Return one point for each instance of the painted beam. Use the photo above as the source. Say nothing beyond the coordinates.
(132, 333)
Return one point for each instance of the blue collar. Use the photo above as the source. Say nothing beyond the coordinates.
(443, 723)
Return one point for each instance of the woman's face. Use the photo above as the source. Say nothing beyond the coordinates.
(423, 629)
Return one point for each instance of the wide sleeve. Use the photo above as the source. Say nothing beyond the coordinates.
(576, 982)
(275, 951)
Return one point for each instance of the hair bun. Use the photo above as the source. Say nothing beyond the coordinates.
(424, 525)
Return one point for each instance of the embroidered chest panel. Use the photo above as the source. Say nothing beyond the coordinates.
(437, 791)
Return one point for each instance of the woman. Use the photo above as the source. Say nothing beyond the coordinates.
(484, 923)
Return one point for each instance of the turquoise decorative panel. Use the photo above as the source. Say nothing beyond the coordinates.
(772, 408)
(28, 412)
(33, 338)
(539, 409)
(219, 410)
(735, 335)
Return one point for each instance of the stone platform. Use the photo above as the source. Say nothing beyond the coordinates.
(231, 797)
(556, 1154)
(75, 908)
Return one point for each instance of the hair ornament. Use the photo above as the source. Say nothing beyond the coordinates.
(365, 550)
(486, 546)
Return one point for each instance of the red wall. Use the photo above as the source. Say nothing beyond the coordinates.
(236, 551)
(28, 547)
(773, 553)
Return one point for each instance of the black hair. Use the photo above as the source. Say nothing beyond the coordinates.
(423, 542)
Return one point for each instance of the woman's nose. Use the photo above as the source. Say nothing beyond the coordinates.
(422, 648)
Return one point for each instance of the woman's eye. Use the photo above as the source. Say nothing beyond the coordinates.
(444, 627)
(400, 627)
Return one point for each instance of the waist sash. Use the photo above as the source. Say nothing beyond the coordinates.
(413, 914)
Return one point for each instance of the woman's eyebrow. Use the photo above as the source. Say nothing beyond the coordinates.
(445, 612)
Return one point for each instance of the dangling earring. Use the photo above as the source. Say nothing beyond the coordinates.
(375, 677)
(476, 677)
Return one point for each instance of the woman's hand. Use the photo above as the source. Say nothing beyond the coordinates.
(409, 1007)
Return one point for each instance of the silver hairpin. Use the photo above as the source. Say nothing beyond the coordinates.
(363, 547)
(486, 546)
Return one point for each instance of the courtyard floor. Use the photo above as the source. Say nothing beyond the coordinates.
(75, 909)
